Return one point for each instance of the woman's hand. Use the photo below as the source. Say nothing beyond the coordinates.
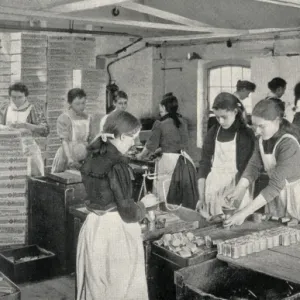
(237, 219)
(236, 197)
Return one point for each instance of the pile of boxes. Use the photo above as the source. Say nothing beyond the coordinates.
(28, 65)
(13, 184)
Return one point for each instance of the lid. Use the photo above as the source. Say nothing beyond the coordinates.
(67, 177)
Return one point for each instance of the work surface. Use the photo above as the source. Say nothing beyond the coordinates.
(282, 262)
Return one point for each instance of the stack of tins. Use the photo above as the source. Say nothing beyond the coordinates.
(93, 82)
(28, 65)
(258, 241)
(59, 58)
(13, 201)
(5, 68)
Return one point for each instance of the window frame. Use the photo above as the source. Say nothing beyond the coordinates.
(220, 64)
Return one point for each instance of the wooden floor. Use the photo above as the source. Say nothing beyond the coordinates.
(61, 288)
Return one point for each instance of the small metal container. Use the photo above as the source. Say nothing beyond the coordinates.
(249, 247)
(263, 243)
(243, 249)
(220, 248)
(285, 239)
(276, 241)
(270, 241)
(293, 238)
(256, 246)
(235, 251)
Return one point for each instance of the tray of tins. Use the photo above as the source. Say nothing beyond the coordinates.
(183, 248)
(257, 242)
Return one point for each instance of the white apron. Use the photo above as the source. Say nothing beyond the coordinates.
(287, 203)
(80, 134)
(110, 259)
(164, 169)
(221, 181)
(35, 162)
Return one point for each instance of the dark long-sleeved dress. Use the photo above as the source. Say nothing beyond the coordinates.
(108, 185)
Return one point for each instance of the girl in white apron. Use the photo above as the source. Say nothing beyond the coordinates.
(19, 113)
(73, 127)
(170, 135)
(110, 255)
(281, 161)
(224, 157)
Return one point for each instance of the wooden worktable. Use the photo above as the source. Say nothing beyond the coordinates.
(282, 262)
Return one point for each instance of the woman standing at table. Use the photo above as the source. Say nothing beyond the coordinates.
(176, 181)
(19, 113)
(119, 103)
(110, 256)
(73, 128)
(278, 151)
(277, 87)
(226, 151)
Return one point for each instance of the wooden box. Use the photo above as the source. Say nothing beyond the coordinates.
(27, 270)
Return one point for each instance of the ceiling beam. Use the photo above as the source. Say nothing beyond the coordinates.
(162, 39)
(145, 9)
(83, 5)
(289, 3)
(183, 38)
(130, 23)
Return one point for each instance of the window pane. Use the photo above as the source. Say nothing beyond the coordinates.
(237, 74)
(213, 92)
(226, 89)
(226, 76)
(247, 74)
(215, 77)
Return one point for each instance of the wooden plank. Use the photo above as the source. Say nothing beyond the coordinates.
(271, 263)
(145, 9)
(292, 250)
(84, 5)
(130, 23)
(289, 3)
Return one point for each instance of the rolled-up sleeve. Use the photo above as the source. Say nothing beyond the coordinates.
(287, 168)
(255, 165)
(121, 186)
(154, 139)
(64, 127)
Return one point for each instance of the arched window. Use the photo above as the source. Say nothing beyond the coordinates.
(224, 78)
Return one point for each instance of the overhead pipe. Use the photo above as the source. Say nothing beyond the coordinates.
(66, 30)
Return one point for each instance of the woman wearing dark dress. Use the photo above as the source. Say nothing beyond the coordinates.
(227, 148)
(110, 256)
(296, 108)
(176, 181)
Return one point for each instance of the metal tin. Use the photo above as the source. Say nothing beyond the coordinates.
(235, 251)
(276, 241)
(220, 247)
(298, 235)
(293, 238)
(263, 243)
(285, 239)
(249, 247)
(243, 249)
(257, 217)
(270, 242)
(256, 246)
